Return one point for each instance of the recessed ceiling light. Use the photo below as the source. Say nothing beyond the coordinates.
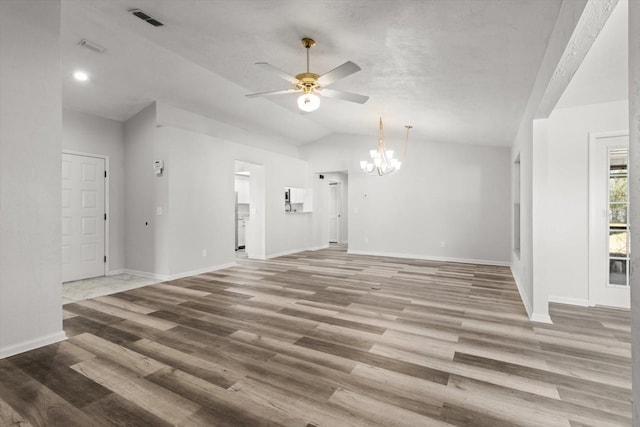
(81, 76)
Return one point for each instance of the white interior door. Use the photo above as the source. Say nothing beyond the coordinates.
(334, 213)
(83, 217)
(609, 250)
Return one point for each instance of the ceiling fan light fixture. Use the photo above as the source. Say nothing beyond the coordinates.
(80, 75)
(310, 85)
(308, 102)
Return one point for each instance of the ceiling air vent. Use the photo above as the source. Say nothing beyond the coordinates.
(145, 17)
(91, 46)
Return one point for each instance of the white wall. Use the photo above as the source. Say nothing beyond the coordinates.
(456, 193)
(539, 232)
(255, 234)
(169, 115)
(564, 203)
(201, 209)
(545, 92)
(522, 261)
(30, 214)
(282, 168)
(285, 232)
(86, 133)
(196, 196)
(146, 232)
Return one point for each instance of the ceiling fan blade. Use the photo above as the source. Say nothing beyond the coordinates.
(278, 71)
(338, 73)
(273, 92)
(341, 94)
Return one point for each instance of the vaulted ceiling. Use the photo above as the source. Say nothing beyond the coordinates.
(458, 70)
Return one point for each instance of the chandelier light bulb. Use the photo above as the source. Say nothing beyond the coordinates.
(308, 102)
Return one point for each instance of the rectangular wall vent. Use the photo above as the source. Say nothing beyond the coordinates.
(146, 17)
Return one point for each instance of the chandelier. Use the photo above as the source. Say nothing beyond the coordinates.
(382, 161)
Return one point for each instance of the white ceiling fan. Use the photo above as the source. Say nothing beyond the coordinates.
(311, 85)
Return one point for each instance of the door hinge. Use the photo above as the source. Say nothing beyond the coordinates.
(105, 258)
(105, 216)
(105, 174)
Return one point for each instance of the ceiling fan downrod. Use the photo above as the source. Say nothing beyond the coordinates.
(308, 44)
(307, 82)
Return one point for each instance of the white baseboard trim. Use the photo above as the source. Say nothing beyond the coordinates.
(160, 277)
(285, 253)
(201, 271)
(165, 277)
(295, 251)
(541, 318)
(116, 272)
(32, 344)
(317, 248)
(431, 258)
(525, 300)
(571, 301)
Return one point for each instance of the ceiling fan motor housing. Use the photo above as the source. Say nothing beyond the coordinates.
(308, 82)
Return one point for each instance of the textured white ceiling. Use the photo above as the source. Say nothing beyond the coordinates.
(458, 70)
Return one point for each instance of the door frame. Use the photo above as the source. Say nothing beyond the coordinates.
(595, 256)
(255, 233)
(107, 209)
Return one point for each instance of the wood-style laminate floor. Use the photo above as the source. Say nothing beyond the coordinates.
(325, 338)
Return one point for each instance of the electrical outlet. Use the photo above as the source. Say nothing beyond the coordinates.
(158, 211)
(442, 243)
(204, 252)
(366, 240)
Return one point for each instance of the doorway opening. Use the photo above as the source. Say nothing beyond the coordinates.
(242, 206)
(249, 218)
(333, 197)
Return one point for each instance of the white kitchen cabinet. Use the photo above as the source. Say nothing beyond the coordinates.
(242, 187)
(297, 195)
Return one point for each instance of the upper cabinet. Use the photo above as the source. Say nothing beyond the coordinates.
(297, 195)
(242, 188)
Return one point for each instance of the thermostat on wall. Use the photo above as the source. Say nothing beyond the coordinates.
(158, 166)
